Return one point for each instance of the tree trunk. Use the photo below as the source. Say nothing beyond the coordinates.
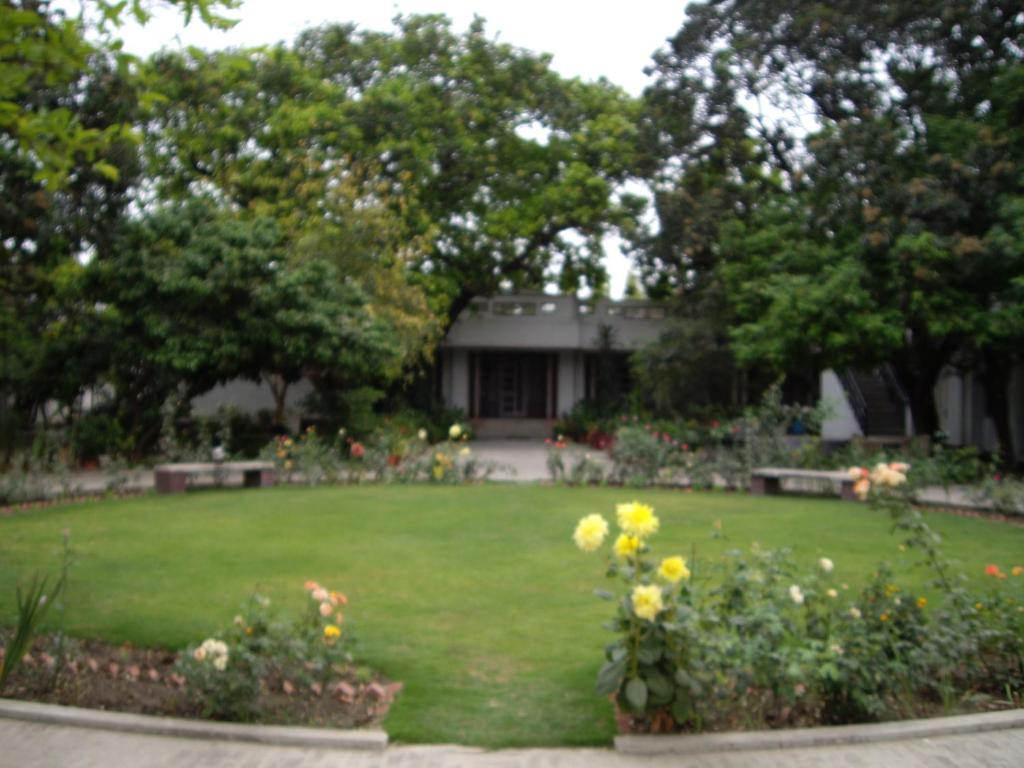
(995, 379)
(923, 410)
(918, 372)
(279, 389)
(461, 301)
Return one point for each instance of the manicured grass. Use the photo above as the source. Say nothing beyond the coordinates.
(473, 596)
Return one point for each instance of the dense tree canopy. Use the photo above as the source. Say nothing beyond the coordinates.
(867, 167)
(498, 169)
(834, 184)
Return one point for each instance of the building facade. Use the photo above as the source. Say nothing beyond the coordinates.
(516, 363)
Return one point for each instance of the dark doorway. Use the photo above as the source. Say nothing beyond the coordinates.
(512, 385)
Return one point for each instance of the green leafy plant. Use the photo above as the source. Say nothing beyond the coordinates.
(33, 603)
(755, 634)
(555, 457)
(227, 675)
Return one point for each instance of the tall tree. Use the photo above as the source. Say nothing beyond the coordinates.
(890, 184)
(67, 166)
(504, 171)
(195, 295)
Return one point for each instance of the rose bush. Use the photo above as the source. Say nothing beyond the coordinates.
(753, 639)
(225, 676)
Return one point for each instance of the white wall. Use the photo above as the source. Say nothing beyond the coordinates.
(557, 324)
(568, 376)
(843, 424)
(252, 397)
(949, 400)
(459, 393)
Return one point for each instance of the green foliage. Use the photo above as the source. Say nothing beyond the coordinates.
(638, 455)
(96, 434)
(880, 236)
(262, 651)
(587, 419)
(432, 122)
(555, 458)
(586, 470)
(392, 549)
(1006, 494)
(32, 606)
(752, 634)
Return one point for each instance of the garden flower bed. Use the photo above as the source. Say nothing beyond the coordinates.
(474, 596)
(266, 668)
(764, 643)
(123, 678)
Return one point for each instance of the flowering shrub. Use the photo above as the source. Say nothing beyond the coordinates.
(227, 675)
(388, 455)
(223, 680)
(309, 457)
(638, 456)
(753, 639)
(586, 470)
(1006, 494)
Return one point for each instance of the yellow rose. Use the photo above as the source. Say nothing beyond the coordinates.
(637, 519)
(647, 601)
(590, 532)
(673, 569)
(454, 432)
(332, 632)
(625, 545)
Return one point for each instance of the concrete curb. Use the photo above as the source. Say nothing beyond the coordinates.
(277, 735)
(819, 737)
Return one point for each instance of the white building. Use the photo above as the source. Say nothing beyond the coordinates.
(516, 363)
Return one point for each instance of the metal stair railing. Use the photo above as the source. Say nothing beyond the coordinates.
(892, 381)
(855, 396)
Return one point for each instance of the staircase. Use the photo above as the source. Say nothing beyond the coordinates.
(877, 401)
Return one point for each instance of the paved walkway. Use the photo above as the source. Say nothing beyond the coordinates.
(521, 461)
(32, 745)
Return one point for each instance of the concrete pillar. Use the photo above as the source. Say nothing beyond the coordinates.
(949, 396)
(567, 381)
(842, 425)
(459, 379)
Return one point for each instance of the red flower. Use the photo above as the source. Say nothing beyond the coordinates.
(992, 570)
(358, 451)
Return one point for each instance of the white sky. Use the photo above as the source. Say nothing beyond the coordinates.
(586, 39)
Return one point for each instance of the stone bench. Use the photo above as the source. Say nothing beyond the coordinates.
(172, 478)
(766, 481)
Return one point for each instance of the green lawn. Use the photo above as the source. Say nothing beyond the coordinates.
(473, 596)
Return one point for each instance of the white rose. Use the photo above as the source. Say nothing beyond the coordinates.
(826, 565)
(796, 595)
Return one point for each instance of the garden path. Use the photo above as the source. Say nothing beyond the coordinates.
(34, 745)
(518, 460)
